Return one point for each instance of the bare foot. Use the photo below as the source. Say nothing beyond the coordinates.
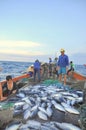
(3, 98)
(64, 84)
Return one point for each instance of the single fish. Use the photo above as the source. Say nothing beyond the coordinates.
(49, 111)
(58, 106)
(42, 115)
(66, 126)
(34, 124)
(72, 110)
(13, 126)
(27, 114)
(42, 109)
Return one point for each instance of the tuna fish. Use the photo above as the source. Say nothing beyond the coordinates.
(42, 115)
(13, 126)
(66, 126)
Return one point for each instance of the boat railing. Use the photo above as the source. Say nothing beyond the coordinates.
(78, 76)
(17, 78)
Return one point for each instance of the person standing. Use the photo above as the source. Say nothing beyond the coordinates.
(44, 67)
(63, 63)
(37, 67)
(50, 67)
(50, 60)
(55, 70)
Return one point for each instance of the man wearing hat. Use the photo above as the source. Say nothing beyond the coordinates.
(63, 63)
(30, 70)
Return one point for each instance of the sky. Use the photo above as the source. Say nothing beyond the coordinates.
(38, 29)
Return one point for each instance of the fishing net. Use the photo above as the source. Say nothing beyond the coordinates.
(6, 105)
(50, 82)
(57, 84)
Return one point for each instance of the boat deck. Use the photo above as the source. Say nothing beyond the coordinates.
(6, 115)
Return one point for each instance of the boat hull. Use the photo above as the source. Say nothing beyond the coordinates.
(78, 76)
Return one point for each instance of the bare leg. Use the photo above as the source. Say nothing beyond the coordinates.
(60, 77)
(65, 79)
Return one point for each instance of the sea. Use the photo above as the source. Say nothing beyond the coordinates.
(15, 68)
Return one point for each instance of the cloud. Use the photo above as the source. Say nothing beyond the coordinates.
(20, 48)
(19, 44)
(27, 58)
(21, 52)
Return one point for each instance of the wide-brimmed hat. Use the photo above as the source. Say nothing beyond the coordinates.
(62, 50)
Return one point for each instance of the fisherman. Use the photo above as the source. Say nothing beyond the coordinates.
(50, 60)
(63, 63)
(55, 70)
(50, 67)
(55, 60)
(44, 67)
(71, 67)
(37, 68)
(8, 88)
(30, 70)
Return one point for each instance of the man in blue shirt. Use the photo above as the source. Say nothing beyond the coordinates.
(63, 63)
(37, 67)
(50, 60)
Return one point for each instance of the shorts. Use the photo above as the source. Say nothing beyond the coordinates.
(62, 70)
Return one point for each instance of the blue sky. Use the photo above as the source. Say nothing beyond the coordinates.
(38, 29)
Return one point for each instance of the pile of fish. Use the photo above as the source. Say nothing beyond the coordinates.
(39, 100)
(35, 125)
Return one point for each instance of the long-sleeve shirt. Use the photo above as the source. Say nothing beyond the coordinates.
(37, 65)
(63, 61)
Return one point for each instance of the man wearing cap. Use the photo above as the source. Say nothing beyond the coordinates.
(63, 63)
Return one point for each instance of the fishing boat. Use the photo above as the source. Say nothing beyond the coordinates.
(78, 76)
(5, 112)
(75, 75)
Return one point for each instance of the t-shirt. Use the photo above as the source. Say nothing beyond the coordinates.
(6, 91)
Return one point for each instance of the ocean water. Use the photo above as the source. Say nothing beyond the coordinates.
(17, 68)
(12, 68)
